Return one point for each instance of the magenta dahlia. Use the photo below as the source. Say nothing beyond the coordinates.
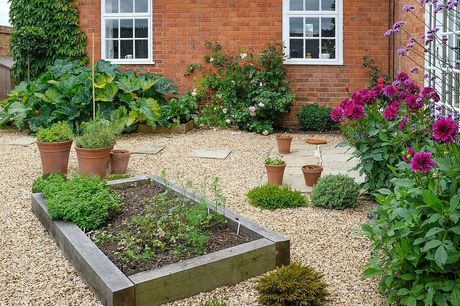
(337, 114)
(445, 130)
(422, 162)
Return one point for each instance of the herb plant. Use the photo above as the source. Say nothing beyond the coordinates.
(314, 117)
(335, 192)
(58, 132)
(274, 161)
(274, 197)
(98, 134)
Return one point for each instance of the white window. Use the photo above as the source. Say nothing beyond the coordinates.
(313, 32)
(126, 31)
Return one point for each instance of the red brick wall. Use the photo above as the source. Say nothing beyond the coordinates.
(180, 28)
(5, 40)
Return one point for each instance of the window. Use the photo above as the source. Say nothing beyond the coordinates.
(127, 31)
(312, 32)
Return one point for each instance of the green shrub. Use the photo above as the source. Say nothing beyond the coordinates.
(293, 285)
(98, 134)
(314, 117)
(58, 132)
(274, 161)
(85, 201)
(335, 192)
(274, 197)
(214, 302)
(51, 178)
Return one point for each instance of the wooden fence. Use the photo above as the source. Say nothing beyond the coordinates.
(6, 79)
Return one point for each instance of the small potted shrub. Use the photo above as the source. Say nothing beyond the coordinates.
(119, 160)
(54, 144)
(94, 147)
(335, 192)
(311, 174)
(275, 170)
(275, 197)
(284, 143)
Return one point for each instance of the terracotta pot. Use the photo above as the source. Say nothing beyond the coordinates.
(316, 141)
(311, 174)
(275, 174)
(119, 160)
(54, 156)
(93, 161)
(284, 143)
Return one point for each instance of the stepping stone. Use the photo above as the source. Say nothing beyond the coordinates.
(150, 149)
(23, 141)
(296, 181)
(211, 154)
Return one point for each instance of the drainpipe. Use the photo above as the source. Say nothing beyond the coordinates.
(391, 40)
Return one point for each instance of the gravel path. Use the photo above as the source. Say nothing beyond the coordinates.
(34, 271)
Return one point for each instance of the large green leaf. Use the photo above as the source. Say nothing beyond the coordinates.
(107, 93)
(129, 83)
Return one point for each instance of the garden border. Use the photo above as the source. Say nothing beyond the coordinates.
(175, 281)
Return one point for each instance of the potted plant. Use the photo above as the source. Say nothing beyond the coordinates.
(119, 160)
(275, 170)
(284, 143)
(311, 174)
(54, 144)
(325, 51)
(94, 146)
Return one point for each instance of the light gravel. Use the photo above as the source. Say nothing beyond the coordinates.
(33, 271)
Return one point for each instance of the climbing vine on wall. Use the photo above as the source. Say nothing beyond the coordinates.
(58, 20)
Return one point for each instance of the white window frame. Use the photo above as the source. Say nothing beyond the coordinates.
(338, 14)
(148, 16)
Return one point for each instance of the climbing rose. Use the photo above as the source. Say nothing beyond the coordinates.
(337, 114)
(422, 162)
(265, 133)
(381, 81)
(445, 130)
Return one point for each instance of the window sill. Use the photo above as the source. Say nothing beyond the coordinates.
(131, 62)
(316, 62)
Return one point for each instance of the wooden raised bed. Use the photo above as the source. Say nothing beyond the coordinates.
(175, 281)
(180, 129)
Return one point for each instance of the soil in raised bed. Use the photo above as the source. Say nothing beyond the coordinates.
(134, 199)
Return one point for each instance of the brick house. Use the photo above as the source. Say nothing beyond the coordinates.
(326, 40)
(5, 33)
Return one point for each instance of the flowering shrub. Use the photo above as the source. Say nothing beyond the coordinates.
(250, 91)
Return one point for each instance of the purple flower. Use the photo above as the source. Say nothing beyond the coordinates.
(414, 102)
(445, 130)
(408, 8)
(390, 91)
(422, 162)
(355, 111)
(402, 52)
(407, 156)
(337, 114)
(345, 103)
(430, 93)
(439, 7)
(402, 76)
(391, 113)
(398, 24)
(413, 69)
(452, 4)
(389, 32)
(402, 123)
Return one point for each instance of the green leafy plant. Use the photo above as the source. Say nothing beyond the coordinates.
(180, 110)
(274, 197)
(98, 134)
(374, 71)
(85, 201)
(248, 92)
(335, 192)
(214, 302)
(37, 41)
(314, 117)
(293, 285)
(274, 161)
(52, 178)
(58, 132)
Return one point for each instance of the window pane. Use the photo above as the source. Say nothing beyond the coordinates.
(328, 27)
(142, 48)
(142, 6)
(296, 48)
(111, 49)
(328, 5)
(126, 6)
(312, 48)
(312, 27)
(312, 5)
(296, 5)
(328, 48)
(111, 28)
(296, 27)
(126, 49)
(141, 28)
(126, 28)
(111, 6)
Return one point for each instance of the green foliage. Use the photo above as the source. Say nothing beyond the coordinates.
(293, 285)
(274, 197)
(274, 161)
(64, 93)
(335, 192)
(169, 223)
(415, 234)
(374, 71)
(58, 132)
(214, 302)
(180, 110)
(44, 31)
(52, 178)
(85, 201)
(248, 92)
(212, 115)
(98, 134)
(314, 117)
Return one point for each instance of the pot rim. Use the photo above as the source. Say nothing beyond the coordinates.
(120, 151)
(316, 168)
(95, 149)
(285, 136)
(54, 143)
(277, 166)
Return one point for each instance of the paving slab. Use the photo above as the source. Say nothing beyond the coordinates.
(23, 141)
(211, 154)
(150, 149)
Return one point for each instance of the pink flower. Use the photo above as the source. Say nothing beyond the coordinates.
(445, 130)
(344, 104)
(392, 111)
(430, 93)
(265, 133)
(355, 111)
(402, 123)
(252, 109)
(414, 102)
(390, 91)
(337, 114)
(407, 156)
(422, 162)
(224, 110)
